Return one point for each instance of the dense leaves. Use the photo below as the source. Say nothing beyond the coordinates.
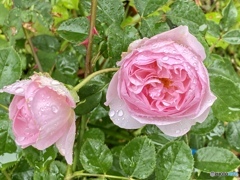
(215, 159)
(137, 158)
(174, 161)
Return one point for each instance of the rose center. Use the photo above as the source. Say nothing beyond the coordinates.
(166, 82)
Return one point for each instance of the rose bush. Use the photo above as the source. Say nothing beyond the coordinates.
(42, 114)
(161, 81)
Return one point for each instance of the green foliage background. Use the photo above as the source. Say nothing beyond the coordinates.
(51, 31)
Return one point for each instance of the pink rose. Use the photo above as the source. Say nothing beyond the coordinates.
(42, 114)
(161, 81)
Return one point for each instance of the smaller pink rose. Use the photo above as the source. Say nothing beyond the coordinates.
(42, 114)
(161, 81)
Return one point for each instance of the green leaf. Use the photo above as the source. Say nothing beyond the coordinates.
(215, 159)
(46, 43)
(233, 134)
(229, 16)
(8, 159)
(70, 4)
(57, 170)
(232, 37)
(196, 141)
(94, 133)
(187, 13)
(206, 126)
(148, 6)
(67, 66)
(98, 113)
(22, 171)
(88, 103)
(226, 107)
(23, 3)
(40, 159)
(4, 14)
(154, 133)
(124, 37)
(174, 161)
(213, 29)
(225, 85)
(61, 11)
(95, 156)
(10, 66)
(47, 60)
(110, 11)
(74, 30)
(152, 26)
(91, 94)
(40, 175)
(116, 169)
(217, 131)
(7, 140)
(138, 158)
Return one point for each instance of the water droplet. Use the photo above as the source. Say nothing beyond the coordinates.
(42, 109)
(165, 58)
(21, 138)
(194, 64)
(19, 90)
(30, 98)
(54, 82)
(120, 113)
(54, 109)
(177, 131)
(111, 113)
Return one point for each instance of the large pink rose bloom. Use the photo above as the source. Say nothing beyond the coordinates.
(42, 114)
(161, 81)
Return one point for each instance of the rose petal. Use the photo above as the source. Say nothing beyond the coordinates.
(182, 36)
(56, 86)
(51, 113)
(182, 127)
(119, 113)
(65, 143)
(14, 106)
(17, 88)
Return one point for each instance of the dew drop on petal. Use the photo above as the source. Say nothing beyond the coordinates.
(120, 113)
(30, 98)
(111, 113)
(19, 90)
(177, 131)
(21, 138)
(54, 109)
(54, 82)
(165, 58)
(42, 109)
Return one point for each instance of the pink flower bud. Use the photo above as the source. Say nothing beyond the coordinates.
(42, 114)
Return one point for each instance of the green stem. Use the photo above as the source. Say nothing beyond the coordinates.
(6, 175)
(88, 78)
(88, 64)
(69, 171)
(33, 51)
(186, 139)
(4, 107)
(80, 173)
(79, 142)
